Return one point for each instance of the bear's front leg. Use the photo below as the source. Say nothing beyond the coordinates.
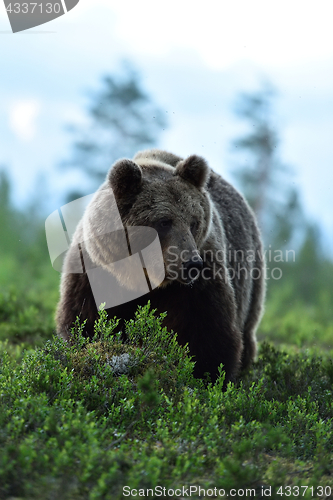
(204, 317)
(76, 301)
(215, 337)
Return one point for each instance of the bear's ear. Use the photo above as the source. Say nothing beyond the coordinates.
(194, 170)
(125, 178)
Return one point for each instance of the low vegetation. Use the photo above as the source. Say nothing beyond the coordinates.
(84, 420)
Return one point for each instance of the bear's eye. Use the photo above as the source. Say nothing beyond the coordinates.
(165, 223)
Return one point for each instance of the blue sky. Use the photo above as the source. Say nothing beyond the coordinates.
(194, 60)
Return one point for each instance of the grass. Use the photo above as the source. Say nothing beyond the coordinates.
(84, 420)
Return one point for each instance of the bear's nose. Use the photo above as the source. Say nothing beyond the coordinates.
(192, 269)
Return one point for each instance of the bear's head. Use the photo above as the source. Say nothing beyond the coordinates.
(170, 199)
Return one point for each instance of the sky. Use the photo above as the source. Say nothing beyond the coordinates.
(194, 59)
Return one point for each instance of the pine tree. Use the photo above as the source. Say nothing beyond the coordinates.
(262, 177)
(121, 120)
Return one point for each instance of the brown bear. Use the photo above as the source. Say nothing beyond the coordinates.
(213, 287)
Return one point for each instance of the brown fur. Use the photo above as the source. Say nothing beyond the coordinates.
(204, 220)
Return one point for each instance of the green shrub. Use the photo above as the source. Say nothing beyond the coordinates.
(25, 318)
(83, 419)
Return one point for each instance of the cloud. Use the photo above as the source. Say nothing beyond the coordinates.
(22, 118)
(270, 33)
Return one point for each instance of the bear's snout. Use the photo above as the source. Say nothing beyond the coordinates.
(192, 269)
